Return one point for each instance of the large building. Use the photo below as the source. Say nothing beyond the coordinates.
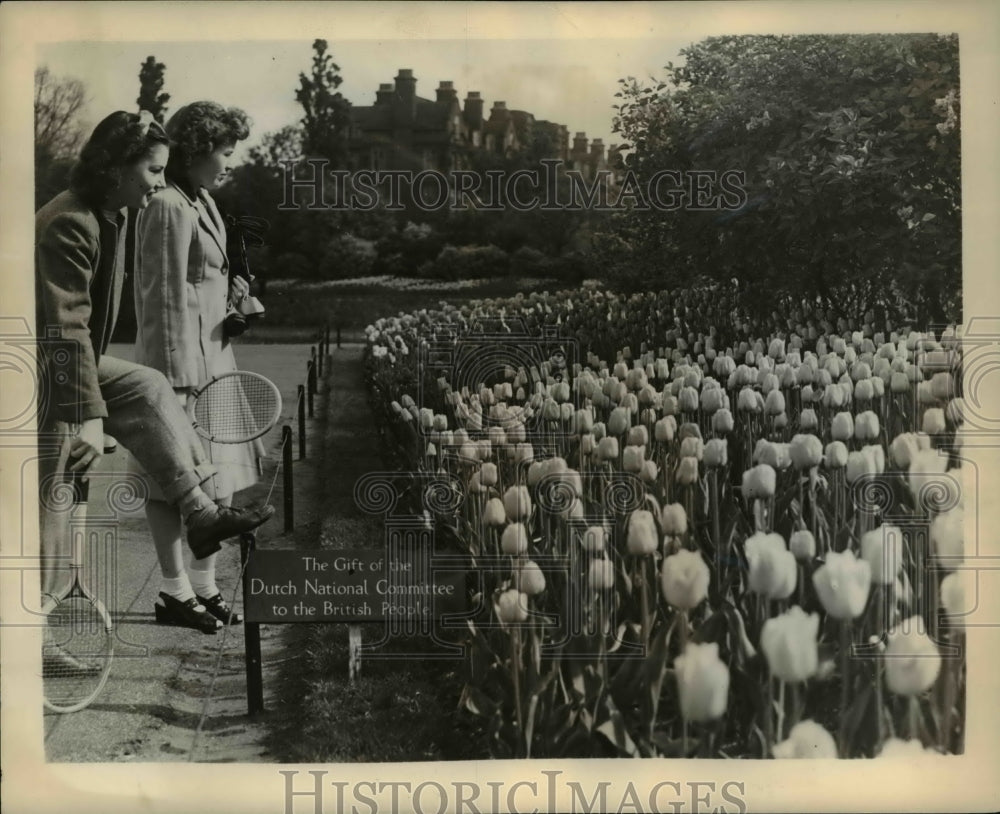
(402, 130)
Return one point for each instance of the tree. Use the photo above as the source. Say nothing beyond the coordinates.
(850, 149)
(150, 86)
(327, 121)
(59, 132)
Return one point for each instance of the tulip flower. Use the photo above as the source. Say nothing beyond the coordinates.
(807, 418)
(802, 544)
(835, 455)
(882, 549)
(807, 740)
(528, 577)
(687, 471)
(774, 405)
(759, 482)
(842, 427)
(702, 682)
(716, 453)
(806, 451)
(866, 426)
(927, 472)
(957, 589)
(674, 520)
(595, 539)
(633, 459)
(517, 503)
(601, 575)
(512, 607)
(934, 422)
(618, 422)
(789, 642)
(899, 382)
(494, 513)
(488, 474)
(722, 421)
(906, 750)
(947, 535)
(773, 572)
(692, 448)
(665, 429)
(747, 401)
(912, 660)
(607, 448)
(843, 583)
(514, 540)
(638, 436)
(642, 535)
(859, 465)
(687, 399)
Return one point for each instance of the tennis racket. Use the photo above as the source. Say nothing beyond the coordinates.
(234, 408)
(78, 645)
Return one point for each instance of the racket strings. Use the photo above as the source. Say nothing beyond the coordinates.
(76, 652)
(236, 408)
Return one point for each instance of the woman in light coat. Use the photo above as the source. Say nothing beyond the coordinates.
(183, 290)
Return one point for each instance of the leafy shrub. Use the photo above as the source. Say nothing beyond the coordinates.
(468, 262)
(347, 256)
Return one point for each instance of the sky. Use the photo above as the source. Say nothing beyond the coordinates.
(560, 80)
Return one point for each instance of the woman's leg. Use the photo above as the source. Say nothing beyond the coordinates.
(202, 572)
(165, 526)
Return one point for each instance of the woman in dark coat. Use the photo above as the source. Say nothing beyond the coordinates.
(80, 253)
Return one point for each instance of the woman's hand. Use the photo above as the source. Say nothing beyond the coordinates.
(87, 446)
(238, 289)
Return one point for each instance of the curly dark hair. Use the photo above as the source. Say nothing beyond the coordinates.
(200, 128)
(120, 140)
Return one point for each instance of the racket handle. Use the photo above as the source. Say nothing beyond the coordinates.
(81, 487)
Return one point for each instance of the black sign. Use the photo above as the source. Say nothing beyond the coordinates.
(353, 585)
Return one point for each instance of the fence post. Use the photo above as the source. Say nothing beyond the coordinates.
(311, 383)
(287, 481)
(326, 336)
(338, 336)
(302, 421)
(251, 637)
(319, 357)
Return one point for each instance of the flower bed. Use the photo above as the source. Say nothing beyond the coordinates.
(695, 536)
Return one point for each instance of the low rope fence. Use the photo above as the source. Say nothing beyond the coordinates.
(304, 404)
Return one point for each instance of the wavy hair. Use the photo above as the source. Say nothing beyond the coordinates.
(120, 140)
(197, 130)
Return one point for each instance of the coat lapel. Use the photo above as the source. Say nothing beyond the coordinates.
(212, 221)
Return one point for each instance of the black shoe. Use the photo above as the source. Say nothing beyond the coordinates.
(185, 614)
(56, 661)
(208, 527)
(220, 609)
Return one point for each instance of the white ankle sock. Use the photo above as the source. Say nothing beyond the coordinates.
(179, 587)
(203, 582)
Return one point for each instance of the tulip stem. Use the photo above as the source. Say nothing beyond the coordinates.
(683, 647)
(914, 718)
(845, 684)
(644, 600)
(781, 710)
(515, 668)
(716, 534)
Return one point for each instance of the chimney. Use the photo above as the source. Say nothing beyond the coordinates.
(384, 93)
(473, 110)
(446, 93)
(406, 83)
(597, 149)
